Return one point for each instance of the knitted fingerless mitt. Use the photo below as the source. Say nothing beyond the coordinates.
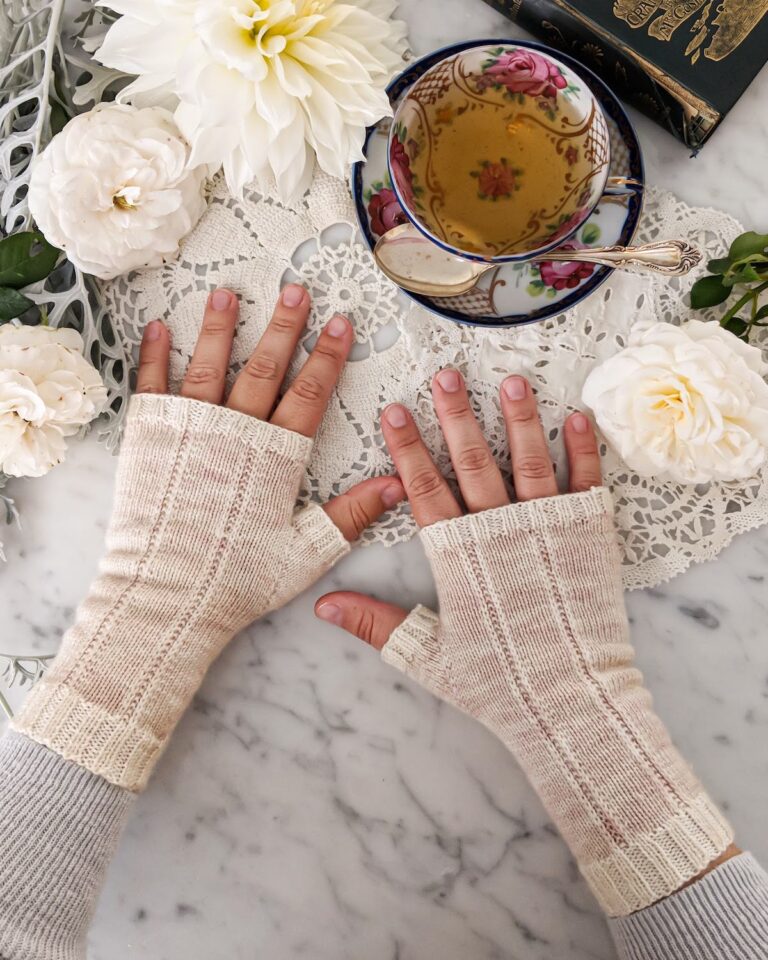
(203, 540)
(532, 641)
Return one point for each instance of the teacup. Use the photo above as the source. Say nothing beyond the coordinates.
(500, 152)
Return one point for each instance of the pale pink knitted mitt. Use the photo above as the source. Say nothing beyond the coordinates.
(204, 539)
(532, 640)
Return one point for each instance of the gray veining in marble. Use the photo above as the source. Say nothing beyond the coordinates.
(315, 804)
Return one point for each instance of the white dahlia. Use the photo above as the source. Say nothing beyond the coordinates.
(261, 86)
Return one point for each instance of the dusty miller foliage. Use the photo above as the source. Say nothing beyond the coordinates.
(20, 671)
(46, 77)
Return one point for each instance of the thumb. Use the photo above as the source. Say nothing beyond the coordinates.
(363, 504)
(371, 620)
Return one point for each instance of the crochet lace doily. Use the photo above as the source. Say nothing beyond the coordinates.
(256, 244)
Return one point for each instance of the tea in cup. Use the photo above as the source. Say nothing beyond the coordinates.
(500, 152)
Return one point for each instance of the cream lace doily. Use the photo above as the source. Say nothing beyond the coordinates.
(255, 244)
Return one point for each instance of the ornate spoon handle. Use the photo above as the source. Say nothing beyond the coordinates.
(673, 258)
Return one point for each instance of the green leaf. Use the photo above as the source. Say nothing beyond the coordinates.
(25, 258)
(708, 292)
(590, 233)
(535, 288)
(59, 118)
(744, 274)
(13, 304)
(747, 245)
(762, 313)
(737, 326)
(718, 266)
(747, 274)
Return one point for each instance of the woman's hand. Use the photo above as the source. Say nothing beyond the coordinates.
(532, 641)
(205, 536)
(480, 481)
(256, 391)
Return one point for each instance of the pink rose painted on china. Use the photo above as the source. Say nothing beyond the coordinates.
(569, 225)
(566, 275)
(385, 212)
(401, 169)
(527, 72)
(496, 180)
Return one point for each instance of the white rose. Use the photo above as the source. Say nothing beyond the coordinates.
(113, 190)
(48, 391)
(685, 403)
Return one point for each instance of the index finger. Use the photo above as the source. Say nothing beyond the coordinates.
(303, 406)
(429, 494)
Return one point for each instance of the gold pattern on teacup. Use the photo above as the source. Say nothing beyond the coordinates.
(499, 150)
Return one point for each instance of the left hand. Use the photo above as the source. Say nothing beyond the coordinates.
(204, 537)
(256, 390)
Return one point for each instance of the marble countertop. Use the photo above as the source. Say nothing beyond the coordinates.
(315, 804)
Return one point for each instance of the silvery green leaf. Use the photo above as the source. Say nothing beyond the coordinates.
(36, 76)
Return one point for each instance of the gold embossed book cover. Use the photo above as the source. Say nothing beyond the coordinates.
(683, 62)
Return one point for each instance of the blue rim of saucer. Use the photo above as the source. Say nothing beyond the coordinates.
(612, 107)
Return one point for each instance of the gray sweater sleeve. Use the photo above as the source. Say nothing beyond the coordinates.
(59, 826)
(724, 916)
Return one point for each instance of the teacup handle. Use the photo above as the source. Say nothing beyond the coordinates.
(622, 186)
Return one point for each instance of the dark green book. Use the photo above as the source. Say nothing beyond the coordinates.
(683, 62)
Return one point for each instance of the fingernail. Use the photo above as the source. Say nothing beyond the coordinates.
(449, 380)
(338, 326)
(514, 388)
(293, 295)
(580, 423)
(153, 330)
(331, 613)
(392, 495)
(221, 299)
(396, 415)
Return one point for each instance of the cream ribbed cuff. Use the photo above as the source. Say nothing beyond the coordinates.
(203, 540)
(532, 640)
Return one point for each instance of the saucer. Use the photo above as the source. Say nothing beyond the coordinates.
(512, 293)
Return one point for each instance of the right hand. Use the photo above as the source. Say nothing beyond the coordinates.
(480, 481)
(532, 640)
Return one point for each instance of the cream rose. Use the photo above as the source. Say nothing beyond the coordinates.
(48, 391)
(685, 403)
(114, 191)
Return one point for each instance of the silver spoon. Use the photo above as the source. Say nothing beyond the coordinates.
(413, 262)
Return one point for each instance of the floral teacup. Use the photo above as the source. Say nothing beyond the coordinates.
(500, 152)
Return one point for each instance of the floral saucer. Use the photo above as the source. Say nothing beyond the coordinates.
(512, 293)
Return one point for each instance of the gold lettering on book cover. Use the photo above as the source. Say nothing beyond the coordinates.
(725, 24)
